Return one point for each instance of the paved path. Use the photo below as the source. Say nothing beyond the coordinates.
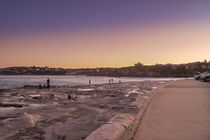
(181, 111)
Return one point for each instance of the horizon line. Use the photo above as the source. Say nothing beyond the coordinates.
(95, 67)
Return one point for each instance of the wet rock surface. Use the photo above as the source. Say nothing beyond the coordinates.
(68, 112)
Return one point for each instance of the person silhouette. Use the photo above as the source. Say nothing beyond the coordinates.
(40, 86)
(48, 83)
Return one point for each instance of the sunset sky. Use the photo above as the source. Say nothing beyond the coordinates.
(103, 33)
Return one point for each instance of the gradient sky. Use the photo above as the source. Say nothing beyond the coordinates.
(103, 33)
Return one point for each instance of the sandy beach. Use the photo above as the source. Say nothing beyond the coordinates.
(72, 113)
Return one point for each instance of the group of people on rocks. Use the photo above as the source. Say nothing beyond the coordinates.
(48, 83)
(44, 86)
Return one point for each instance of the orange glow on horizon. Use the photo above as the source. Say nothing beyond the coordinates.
(180, 43)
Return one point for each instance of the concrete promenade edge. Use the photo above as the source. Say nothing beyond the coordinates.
(181, 111)
(122, 126)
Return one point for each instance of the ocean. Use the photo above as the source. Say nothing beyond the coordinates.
(15, 81)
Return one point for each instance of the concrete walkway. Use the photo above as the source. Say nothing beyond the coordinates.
(181, 111)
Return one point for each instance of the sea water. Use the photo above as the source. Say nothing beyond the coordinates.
(15, 81)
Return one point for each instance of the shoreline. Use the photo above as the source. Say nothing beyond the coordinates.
(63, 81)
(81, 109)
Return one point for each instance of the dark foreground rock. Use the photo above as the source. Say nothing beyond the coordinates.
(68, 113)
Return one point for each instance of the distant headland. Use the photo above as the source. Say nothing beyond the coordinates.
(138, 70)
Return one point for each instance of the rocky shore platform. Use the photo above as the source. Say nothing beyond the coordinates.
(72, 113)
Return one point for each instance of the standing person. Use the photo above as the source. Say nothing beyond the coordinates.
(89, 82)
(48, 83)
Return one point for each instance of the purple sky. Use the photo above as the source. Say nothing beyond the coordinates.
(20, 16)
(92, 33)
